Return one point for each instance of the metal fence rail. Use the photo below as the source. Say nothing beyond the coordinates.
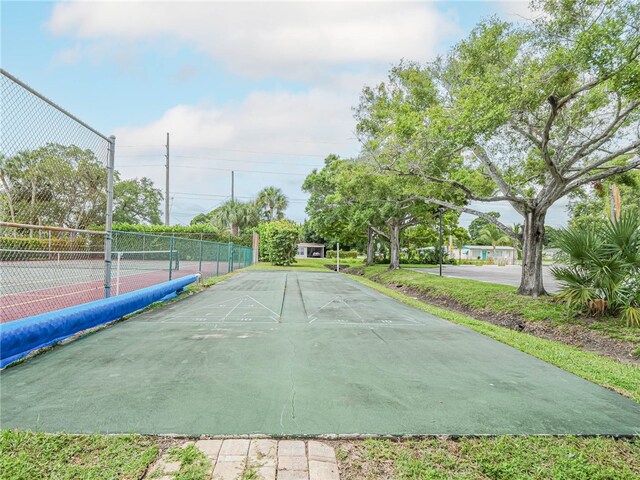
(56, 179)
(45, 270)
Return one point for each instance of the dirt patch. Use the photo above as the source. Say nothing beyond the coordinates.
(569, 334)
(343, 267)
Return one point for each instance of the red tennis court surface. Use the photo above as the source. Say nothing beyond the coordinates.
(28, 301)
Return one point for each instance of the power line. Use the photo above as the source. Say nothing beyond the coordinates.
(255, 152)
(216, 168)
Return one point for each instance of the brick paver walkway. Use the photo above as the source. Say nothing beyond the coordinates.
(268, 459)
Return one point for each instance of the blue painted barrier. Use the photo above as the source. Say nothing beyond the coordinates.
(20, 337)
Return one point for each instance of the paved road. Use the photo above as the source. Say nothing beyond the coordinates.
(300, 353)
(505, 275)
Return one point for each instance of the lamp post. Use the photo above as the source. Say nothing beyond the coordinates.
(440, 211)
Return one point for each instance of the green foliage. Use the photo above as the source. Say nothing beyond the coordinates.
(272, 203)
(523, 113)
(343, 254)
(53, 185)
(194, 464)
(29, 455)
(235, 216)
(603, 270)
(279, 241)
(79, 243)
(501, 457)
(477, 225)
(198, 231)
(592, 204)
(136, 201)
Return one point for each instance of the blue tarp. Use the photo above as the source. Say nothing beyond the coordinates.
(20, 337)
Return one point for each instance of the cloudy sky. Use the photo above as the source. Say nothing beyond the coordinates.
(262, 88)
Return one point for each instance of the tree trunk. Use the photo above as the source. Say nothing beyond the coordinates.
(9, 199)
(532, 242)
(394, 240)
(235, 229)
(371, 241)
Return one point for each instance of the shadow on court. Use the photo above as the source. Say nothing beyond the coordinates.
(284, 353)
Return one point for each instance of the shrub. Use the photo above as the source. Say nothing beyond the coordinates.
(343, 254)
(279, 241)
(602, 274)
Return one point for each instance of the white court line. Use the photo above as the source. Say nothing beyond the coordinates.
(259, 303)
(215, 323)
(231, 311)
(326, 304)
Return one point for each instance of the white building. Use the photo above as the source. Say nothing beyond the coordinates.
(502, 255)
(310, 250)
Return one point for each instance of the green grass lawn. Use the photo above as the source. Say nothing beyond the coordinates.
(496, 298)
(499, 458)
(307, 264)
(29, 455)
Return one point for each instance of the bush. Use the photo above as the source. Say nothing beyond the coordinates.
(343, 254)
(602, 275)
(279, 242)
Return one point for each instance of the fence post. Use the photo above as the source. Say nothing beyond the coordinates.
(200, 262)
(230, 258)
(171, 243)
(109, 217)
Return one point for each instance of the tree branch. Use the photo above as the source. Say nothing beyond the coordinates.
(546, 137)
(595, 143)
(379, 232)
(602, 175)
(612, 156)
(506, 230)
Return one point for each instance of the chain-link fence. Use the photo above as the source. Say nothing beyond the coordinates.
(56, 179)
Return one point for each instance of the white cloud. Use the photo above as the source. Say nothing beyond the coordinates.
(292, 40)
(281, 132)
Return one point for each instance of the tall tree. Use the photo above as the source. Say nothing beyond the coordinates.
(234, 215)
(522, 115)
(61, 185)
(592, 205)
(492, 235)
(272, 202)
(136, 201)
(478, 224)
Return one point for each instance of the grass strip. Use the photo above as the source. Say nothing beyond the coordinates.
(303, 265)
(28, 455)
(499, 299)
(503, 458)
(624, 379)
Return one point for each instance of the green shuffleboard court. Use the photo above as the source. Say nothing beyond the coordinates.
(284, 353)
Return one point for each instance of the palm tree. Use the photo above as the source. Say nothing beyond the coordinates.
(236, 215)
(492, 235)
(602, 270)
(273, 202)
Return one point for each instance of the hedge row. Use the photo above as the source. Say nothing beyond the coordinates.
(54, 244)
(343, 254)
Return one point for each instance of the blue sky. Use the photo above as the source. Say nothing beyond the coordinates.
(263, 88)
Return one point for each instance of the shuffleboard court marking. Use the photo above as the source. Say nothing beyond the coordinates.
(431, 377)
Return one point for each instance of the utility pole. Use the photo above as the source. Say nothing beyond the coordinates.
(440, 210)
(232, 195)
(166, 187)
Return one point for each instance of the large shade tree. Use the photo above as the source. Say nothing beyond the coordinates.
(135, 201)
(62, 185)
(524, 115)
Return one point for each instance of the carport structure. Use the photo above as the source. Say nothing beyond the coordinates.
(297, 354)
